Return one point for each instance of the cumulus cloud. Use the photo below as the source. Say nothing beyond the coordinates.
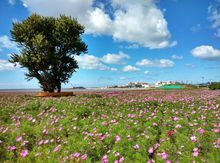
(214, 17)
(5, 42)
(130, 68)
(92, 62)
(206, 52)
(115, 58)
(5, 65)
(178, 57)
(137, 22)
(123, 78)
(11, 2)
(146, 72)
(141, 22)
(163, 63)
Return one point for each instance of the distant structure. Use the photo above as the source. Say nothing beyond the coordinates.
(137, 85)
(132, 85)
(144, 84)
(161, 83)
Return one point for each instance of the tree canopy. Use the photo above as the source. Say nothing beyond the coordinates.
(47, 48)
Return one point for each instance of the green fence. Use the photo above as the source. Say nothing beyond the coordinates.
(172, 87)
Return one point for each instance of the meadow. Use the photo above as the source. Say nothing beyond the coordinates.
(112, 126)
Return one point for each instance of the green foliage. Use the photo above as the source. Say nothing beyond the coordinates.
(47, 48)
(214, 85)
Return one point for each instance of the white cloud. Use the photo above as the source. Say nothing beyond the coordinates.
(12, 2)
(99, 22)
(206, 52)
(214, 17)
(164, 63)
(123, 78)
(130, 68)
(5, 42)
(146, 72)
(140, 22)
(92, 62)
(5, 65)
(115, 58)
(132, 46)
(189, 65)
(178, 57)
(137, 22)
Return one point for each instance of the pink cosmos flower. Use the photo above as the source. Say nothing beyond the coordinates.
(83, 157)
(76, 154)
(104, 123)
(19, 138)
(136, 146)
(40, 142)
(175, 118)
(46, 141)
(156, 145)
(178, 126)
(201, 131)
(60, 129)
(105, 159)
(150, 150)
(121, 159)
(24, 153)
(154, 124)
(117, 138)
(56, 149)
(195, 152)
(164, 155)
(193, 138)
(11, 148)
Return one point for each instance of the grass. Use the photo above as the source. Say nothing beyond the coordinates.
(129, 126)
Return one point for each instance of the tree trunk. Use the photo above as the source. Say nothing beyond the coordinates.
(59, 87)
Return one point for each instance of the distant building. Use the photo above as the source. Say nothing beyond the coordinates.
(138, 85)
(161, 83)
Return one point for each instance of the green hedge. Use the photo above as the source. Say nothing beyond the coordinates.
(214, 85)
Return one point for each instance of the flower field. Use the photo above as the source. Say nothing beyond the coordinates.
(116, 126)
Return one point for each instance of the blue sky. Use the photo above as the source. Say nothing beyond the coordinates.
(127, 40)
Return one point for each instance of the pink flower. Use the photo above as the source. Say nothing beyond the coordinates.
(201, 131)
(19, 138)
(121, 159)
(117, 138)
(154, 124)
(104, 123)
(83, 157)
(164, 155)
(56, 149)
(178, 126)
(76, 154)
(40, 142)
(193, 138)
(195, 152)
(136, 146)
(11, 148)
(46, 141)
(105, 159)
(60, 129)
(150, 150)
(24, 153)
(156, 145)
(175, 118)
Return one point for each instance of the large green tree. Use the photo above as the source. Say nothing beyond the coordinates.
(47, 48)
